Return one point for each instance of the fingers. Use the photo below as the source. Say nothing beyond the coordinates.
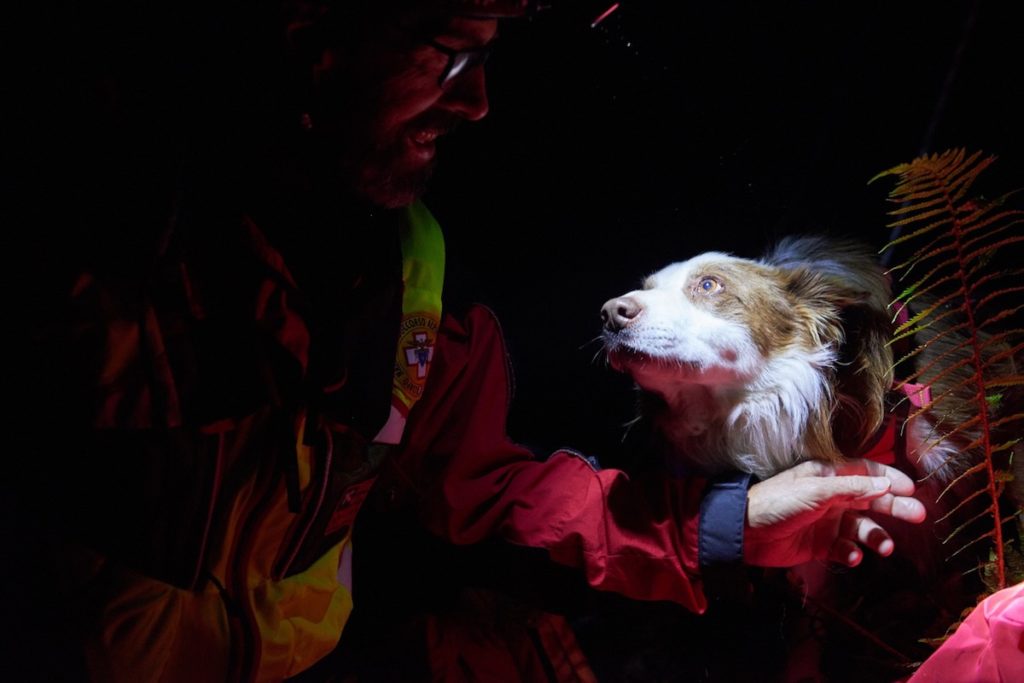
(846, 552)
(863, 479)
(902, 485)
(860, 492)
(856, 531)
(856, 482)
(900, 507)
(846, 490)
(864, 531)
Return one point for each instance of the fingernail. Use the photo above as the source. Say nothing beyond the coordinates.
(880, 483)
(912, 510)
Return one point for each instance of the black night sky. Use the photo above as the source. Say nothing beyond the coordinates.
(676, 128)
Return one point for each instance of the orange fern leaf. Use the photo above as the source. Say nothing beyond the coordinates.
(964, 323)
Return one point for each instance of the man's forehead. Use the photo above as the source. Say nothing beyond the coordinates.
(485, 9)
(472, 30)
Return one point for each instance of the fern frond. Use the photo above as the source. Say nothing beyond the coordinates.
(939, 200)
(991, 248)
(917, 233)
(928, 252)
(996, 531)
(959, 506)
(992, 533)
(980, 467)
(972, 228)
(1002, 315)
(944, 371)
(936, 361)
(995, 277)
(925, 286)
(963, 323)
(904, 360)
(1015, 381)
(966, 525)
(997, 294)
(921, 328)
(979, 440)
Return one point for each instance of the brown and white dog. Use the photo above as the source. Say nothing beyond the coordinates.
(756, 365)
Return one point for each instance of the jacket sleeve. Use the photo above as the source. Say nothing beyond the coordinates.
(473, 482)
(987, 646)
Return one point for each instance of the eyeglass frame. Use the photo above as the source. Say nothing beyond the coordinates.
(474, 58)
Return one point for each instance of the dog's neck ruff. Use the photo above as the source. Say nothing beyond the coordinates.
(762, 428)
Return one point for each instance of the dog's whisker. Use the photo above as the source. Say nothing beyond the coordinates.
(599, 339)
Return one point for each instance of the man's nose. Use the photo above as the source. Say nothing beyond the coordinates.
(467, 96)
(619, 312)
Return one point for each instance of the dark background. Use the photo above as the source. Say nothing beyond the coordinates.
(676, 128)
(672, 129)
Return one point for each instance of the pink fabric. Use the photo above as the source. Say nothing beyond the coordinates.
(902, 314)
(987, 648)
(919, 395)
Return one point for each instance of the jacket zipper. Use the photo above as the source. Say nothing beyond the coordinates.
(314, 512)
(197, 572)
(247, 653)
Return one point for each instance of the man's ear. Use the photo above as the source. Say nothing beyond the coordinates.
(307, 35)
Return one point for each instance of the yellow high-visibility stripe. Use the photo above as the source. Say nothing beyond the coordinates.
(423, 260)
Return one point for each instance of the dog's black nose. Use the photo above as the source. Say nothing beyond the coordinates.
(617, 313)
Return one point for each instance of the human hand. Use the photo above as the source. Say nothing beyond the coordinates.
(816, 511)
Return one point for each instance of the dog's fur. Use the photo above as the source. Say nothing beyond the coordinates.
(756, 365)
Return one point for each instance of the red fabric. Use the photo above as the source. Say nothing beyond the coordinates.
(466, 647)
(885, 446)
(563, 650)
(987, 648)
(473, 482)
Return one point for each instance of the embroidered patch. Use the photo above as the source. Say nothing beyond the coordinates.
(417, 337)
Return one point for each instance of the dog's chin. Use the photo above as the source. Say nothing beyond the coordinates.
(667, 376)
(647, 369)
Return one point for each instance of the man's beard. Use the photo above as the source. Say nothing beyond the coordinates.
(389, 174)
(389, 185)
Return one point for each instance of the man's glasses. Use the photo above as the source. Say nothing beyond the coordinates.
(460, 62)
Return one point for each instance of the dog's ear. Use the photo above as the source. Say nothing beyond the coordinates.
(849, 313)
(864, 376)
(849, 294)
